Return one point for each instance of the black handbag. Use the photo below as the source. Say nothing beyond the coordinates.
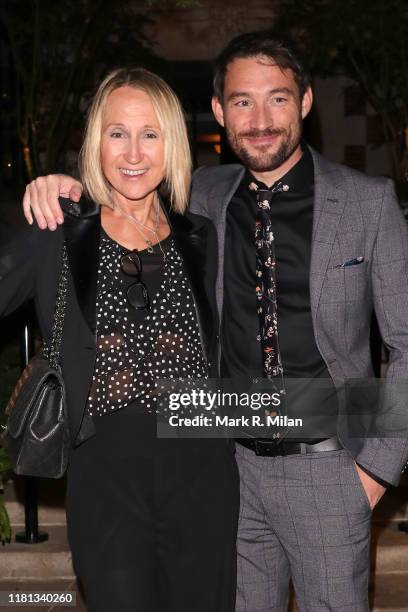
(37, 435)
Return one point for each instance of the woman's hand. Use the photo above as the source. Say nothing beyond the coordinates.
(41, 199)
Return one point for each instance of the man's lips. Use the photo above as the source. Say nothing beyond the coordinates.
(262, 140)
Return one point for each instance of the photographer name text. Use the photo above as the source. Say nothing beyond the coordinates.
(254, 420)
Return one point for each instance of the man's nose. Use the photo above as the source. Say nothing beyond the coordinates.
(261, 117)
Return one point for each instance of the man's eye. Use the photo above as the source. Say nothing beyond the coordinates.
(242, 103)
(279, 100)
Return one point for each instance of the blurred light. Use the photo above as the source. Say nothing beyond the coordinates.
(9, 165)
(209, 138)
(217, 149)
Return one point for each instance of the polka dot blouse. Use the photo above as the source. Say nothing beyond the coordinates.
(136, 348)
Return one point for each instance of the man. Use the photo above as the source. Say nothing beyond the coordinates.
(307, 248)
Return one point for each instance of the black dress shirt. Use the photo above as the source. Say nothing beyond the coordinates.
(292, 221)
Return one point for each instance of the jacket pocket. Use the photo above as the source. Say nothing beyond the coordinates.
(346, 284)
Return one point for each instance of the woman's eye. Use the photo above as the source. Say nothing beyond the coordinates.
(116, 134)
(151, 135)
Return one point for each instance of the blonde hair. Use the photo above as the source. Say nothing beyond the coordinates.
(170, 115)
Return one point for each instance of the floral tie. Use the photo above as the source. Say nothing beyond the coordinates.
(266, 289)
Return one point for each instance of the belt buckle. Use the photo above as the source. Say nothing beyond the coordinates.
(269, 448)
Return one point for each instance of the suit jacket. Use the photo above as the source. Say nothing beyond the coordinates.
(30, 266)
(355, 216)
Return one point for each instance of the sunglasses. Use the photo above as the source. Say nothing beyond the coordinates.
(137, 294)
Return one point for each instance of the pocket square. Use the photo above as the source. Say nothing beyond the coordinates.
(351, 262)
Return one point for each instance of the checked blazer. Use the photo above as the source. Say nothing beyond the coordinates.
(355, 217)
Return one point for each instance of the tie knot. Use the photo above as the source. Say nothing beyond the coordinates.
(264, 196)
(276, 188)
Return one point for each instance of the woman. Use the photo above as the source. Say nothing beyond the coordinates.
(151, 522)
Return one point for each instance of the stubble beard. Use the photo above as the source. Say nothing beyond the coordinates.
(264, 160)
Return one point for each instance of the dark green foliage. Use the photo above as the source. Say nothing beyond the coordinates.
(58, 51)
(5, 527)
(368, 42)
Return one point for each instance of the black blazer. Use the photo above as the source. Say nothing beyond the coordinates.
(30, 266)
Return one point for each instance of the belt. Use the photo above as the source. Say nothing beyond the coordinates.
(271, 448)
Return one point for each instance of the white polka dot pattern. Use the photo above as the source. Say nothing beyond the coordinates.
(131, 358)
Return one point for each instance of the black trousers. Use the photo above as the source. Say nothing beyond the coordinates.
(152, 523)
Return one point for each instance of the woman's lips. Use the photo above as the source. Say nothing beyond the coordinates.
(132, 174)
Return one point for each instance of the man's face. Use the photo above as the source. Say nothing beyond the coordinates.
(262, 112)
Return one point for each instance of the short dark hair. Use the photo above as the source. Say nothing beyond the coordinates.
(254, 44)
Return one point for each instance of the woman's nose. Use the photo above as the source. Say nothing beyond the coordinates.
(133, 152)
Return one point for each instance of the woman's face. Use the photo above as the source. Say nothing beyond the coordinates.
(132, 148)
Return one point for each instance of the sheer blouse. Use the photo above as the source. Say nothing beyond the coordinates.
(136, 348)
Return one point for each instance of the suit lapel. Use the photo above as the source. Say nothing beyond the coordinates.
(221, 194)
(329, 202)
(223, 190)
(82, 232)
(190, 239)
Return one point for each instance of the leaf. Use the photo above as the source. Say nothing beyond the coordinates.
(367, 42)
(5, 526)
(5, 463)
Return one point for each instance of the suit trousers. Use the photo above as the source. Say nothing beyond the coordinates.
(304, 517)
(152, 523)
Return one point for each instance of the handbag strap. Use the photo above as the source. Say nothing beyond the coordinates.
(52, 352)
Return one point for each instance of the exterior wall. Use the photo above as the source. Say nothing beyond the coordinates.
(200, 33)
(339, 132)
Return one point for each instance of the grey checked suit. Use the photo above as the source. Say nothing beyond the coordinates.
(355, 216)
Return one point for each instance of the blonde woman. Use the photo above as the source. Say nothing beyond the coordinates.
(151, 522)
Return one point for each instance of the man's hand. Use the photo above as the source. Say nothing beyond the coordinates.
(41, 198)
(373, 489)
